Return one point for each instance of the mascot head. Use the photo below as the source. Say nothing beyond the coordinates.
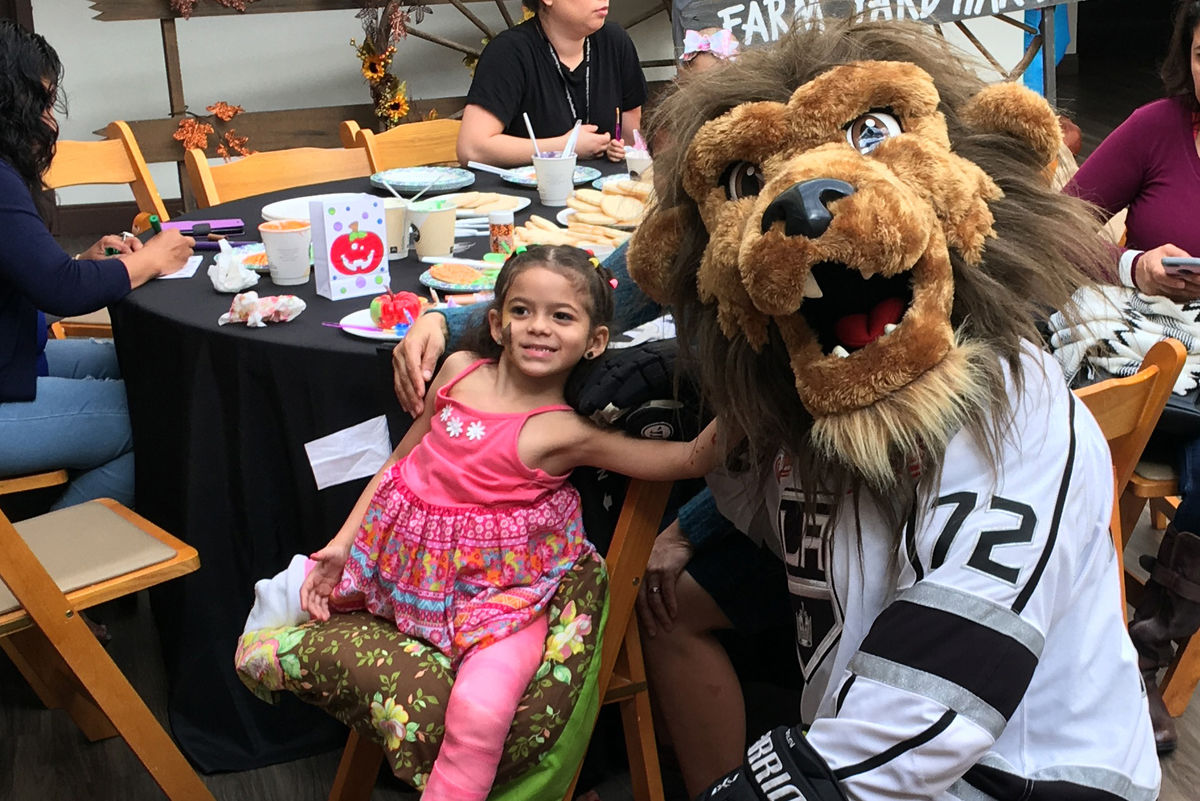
(858, 234)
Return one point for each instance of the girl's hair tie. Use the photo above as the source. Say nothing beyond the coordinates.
(595, 262)
(612, 282)
(719, 43)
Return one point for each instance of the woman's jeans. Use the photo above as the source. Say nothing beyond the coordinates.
(79, 420)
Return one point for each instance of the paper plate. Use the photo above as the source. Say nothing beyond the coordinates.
(525, 176)
(296, 208)
(411, 180)
(566, 214)
(608, 179)
(363, 317)
(516, 203)
(485, 284)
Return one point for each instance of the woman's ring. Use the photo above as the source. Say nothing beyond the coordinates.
(656, 589)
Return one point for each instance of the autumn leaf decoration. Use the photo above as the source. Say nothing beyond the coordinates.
(193, 131)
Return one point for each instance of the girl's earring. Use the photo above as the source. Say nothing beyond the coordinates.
(589, 355)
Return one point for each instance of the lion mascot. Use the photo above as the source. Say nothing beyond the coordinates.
(858, 239)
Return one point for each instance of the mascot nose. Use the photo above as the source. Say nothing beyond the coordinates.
(802, 206)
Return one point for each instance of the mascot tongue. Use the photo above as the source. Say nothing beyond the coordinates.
(860, 330)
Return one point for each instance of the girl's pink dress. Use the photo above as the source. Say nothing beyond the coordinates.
(462, 543)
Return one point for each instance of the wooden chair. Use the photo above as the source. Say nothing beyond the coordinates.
(114, 160)
(270, 171)
(410, 145)
(348, 133)
(57, 565)
(622, 677)
(1127, 410)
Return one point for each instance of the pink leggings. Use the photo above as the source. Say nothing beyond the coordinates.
(483, 701)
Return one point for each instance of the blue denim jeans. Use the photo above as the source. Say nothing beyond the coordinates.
(1187, 516)
(79, 420)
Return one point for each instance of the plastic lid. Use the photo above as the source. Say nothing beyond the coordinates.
(500, 217)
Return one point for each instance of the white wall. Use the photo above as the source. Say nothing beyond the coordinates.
(265, 62)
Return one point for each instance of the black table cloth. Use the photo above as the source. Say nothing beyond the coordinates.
(220, 417)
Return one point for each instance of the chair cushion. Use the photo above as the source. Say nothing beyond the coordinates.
(1155, 471)
(86, 544)
(393, 688)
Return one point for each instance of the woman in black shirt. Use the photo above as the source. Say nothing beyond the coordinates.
(564, 64)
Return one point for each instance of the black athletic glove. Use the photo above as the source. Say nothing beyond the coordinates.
(780, 766)
(634, 388)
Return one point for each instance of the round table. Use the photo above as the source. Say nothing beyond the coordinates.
(220, 417)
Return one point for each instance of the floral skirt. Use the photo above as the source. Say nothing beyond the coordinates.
(460, 577)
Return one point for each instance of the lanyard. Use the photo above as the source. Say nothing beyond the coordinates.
(587, 76)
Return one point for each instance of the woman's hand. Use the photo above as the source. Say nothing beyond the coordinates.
(1153, 279)
(414, 358)
(592, 145)
(117, 243)
(163, 254)
(656, 603)
(319, 583)
(615, 150)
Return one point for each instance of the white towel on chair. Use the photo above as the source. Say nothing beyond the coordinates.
(1115, 328)
(277, 599)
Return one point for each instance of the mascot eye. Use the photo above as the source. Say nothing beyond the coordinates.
(741, 179)
(868, 131)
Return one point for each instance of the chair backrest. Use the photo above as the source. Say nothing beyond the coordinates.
(411, 145)
(1127, 410)
(348, 133)
(115, 160)
(270, 171)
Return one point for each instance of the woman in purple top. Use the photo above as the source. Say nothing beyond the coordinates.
(1151, 165)
(60, 402)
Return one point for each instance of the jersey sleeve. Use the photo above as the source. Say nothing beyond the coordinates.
(986, 569)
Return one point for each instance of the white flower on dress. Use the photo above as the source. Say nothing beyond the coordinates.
(446, 412)
(454, 426)
(476, 430)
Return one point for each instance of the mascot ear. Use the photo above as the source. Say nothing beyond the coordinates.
(1010, 108)
(652, 252)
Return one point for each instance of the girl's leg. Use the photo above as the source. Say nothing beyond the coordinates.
(483, 702)
(1187, 517)
(82, 358)
(82, 425)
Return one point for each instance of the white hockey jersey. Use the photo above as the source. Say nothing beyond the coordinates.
(988, 658)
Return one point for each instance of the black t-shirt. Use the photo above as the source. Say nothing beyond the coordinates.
(518, 72)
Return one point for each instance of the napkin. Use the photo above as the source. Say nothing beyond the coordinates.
(355, 452)
(227, 273)
(256, 312)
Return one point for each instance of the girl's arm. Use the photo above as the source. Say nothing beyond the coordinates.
(571, 441)
(327, 572)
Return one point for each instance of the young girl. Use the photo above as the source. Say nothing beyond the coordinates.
(462, 536)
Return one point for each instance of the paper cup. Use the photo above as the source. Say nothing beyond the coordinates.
(288, 253)
(434, 221)
(555, 179)
(396, 214)
(638, 162)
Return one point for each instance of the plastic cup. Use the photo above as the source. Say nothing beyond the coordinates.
(638, 162)
(396, 216)
(434, 221)
(555, 179)
(287, 243)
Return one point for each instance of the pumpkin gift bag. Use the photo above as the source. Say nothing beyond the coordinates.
(349, 246)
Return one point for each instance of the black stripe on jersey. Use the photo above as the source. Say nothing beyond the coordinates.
(841, 699)
(910, 542)
(1005, 786)
(896, 750)
(1031, 585)
(916, 636)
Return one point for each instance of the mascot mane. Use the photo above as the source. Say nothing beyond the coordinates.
(972, 190)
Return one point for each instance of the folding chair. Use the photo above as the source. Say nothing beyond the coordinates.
(622, 677)
(56, 565)
(115, 160)
(412, 144)
(270, 171)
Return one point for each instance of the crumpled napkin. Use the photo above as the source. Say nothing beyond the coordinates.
(256, 312)
(227, 273)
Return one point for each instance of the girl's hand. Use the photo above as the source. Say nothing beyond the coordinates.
(319, 583)
(414, 358)
(119, 244)
(1153, 279)
(615, 150)
(656, 603)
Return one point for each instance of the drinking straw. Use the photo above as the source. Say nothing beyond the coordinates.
(537, 151)
(617, 130)
(392, 189)
(479, 165)
(569, 150)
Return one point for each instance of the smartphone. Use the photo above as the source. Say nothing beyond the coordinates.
(1179, 265)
